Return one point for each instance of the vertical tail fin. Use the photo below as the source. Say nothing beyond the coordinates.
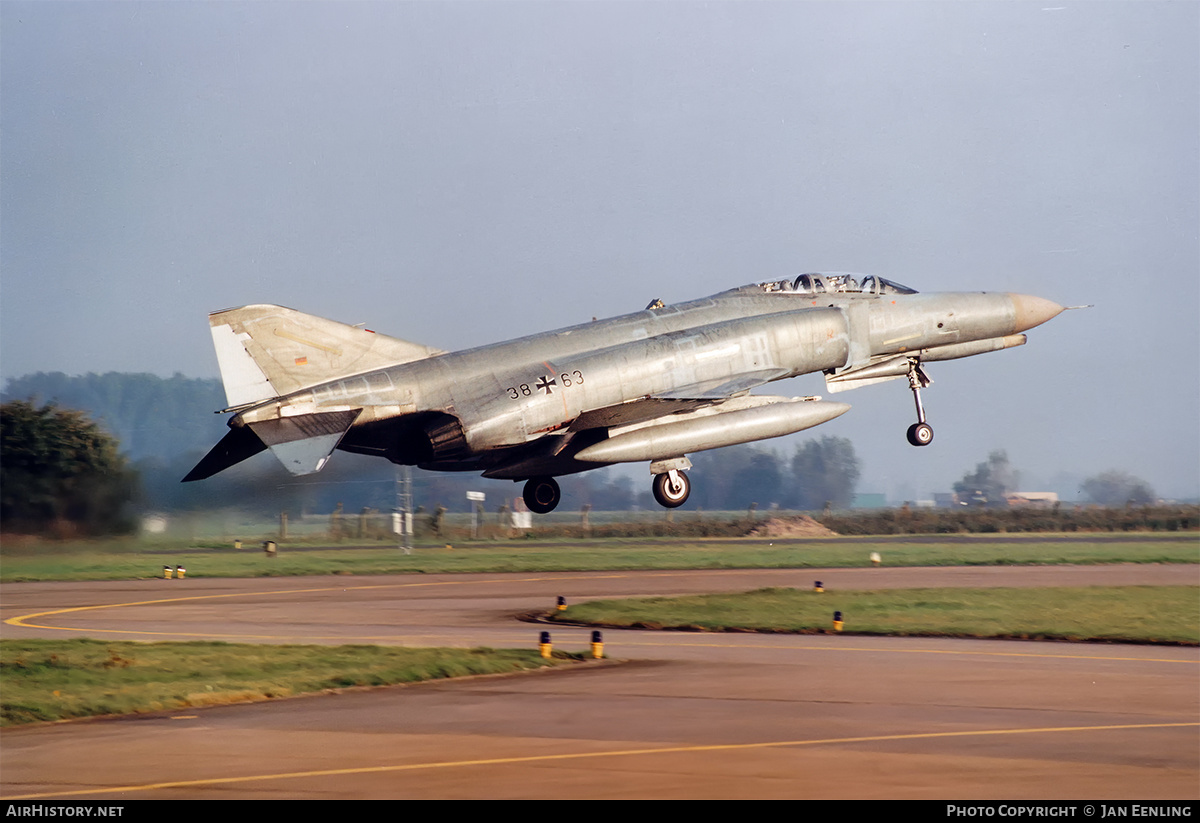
(268, 351)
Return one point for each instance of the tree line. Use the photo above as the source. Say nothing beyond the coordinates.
(995, 478)
(61, 473)
(81, 454)
(146, 432)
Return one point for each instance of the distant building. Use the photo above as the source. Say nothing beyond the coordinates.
(154, 523)
(1040, 500)
(1037, 500)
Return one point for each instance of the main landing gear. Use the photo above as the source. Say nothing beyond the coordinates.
(671, 489)
(542, 494)
(919, 433)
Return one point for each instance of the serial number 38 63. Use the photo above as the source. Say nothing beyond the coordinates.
(545, 384)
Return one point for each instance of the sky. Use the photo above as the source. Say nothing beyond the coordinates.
(461, 173)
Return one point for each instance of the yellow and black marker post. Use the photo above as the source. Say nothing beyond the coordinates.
(544, 644)
(166, 572)
(837, 621)
(597, 645)
(180, 572)
(562, 603)
(817, 587)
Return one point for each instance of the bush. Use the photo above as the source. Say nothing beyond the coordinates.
(60, 474)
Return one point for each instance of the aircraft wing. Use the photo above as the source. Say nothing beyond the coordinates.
(681, 399)
(633, 411)
(724, 387)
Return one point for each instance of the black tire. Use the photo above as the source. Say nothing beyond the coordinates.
(542, 494)
(920, 434)
(668, 497)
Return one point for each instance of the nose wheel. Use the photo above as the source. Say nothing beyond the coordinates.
(671, 489)
(541, 494)
(919, 433)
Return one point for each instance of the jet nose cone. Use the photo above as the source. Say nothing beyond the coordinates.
(1032, 311)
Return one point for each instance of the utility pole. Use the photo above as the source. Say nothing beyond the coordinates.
(402, 520)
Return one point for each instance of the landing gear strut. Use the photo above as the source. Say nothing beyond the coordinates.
(672, 489)
(919, 433)
(541, 494)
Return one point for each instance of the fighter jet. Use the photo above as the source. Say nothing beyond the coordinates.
(648, 387)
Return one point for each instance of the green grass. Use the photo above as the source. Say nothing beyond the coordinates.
(126, 559)
(50, 680)
(1111, 613)
(59, 679)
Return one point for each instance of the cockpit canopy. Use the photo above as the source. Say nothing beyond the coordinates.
(837, 283)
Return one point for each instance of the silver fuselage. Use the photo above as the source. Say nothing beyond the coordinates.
(506, 396)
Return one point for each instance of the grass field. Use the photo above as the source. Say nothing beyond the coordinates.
(131, 559)
(56, 679)
(60, 679)
(1142, 614)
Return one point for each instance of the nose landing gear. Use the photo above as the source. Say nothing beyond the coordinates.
(919, 433)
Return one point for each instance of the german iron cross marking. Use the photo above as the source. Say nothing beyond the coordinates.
(545, 383)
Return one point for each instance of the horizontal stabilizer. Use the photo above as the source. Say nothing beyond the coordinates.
(304, 443)
(238, 444)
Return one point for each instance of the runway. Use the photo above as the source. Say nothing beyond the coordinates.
(676, 715)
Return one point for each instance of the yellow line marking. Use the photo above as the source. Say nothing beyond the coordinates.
(676, 641)
(504, 761)
(20, 619)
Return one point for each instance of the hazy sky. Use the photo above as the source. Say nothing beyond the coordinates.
(463, 173)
